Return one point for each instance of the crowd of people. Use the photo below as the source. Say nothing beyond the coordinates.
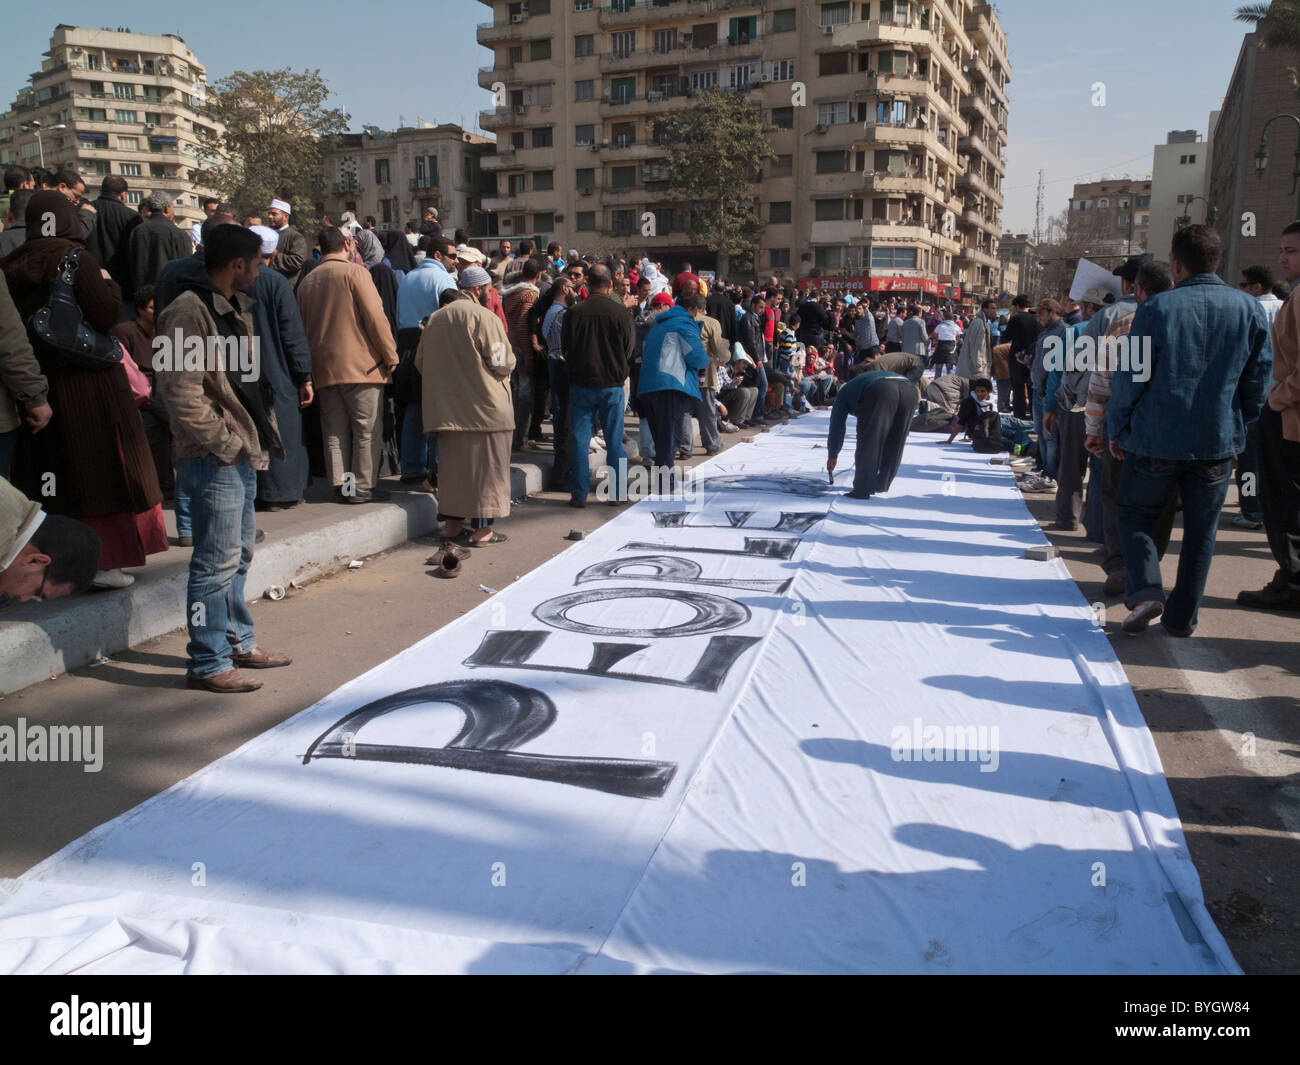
(360, 353)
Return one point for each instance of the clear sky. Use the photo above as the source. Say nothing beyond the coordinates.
(1165, 65)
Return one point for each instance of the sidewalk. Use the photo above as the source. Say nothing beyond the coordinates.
(41, 640)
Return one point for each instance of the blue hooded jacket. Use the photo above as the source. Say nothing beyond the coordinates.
(673, 352)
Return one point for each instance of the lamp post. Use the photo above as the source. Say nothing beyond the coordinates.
(1262, 155)
(1211, 212)
(35, 124)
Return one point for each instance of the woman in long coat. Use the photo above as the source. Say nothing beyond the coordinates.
(92, 462)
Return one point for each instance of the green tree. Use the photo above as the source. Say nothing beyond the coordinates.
(715, 152)
(274, 124)
(1278, 23)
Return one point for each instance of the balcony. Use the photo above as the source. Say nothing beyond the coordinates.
(511, 202)
(851, 34)
(837, 232)
(979, 29)
(973, 181)
(893, 183)
(613, 62)
(504, 159)
(347, 187)
(489, 33)
(835, 135)
(975, 256)
(875, 132)
(980, 106)
(972, 143)
(619, 16)
(420, 185)
(495, 118)
(626, 196)
(616, 152)
(898, 84)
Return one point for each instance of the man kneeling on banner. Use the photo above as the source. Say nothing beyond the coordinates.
(883, 402)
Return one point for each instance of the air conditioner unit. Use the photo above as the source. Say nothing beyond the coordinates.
(767, 77)
(604, 144)
(595, 147)
(559, 218)
(821, 127)
(586, 191)
(604, 94)
(516, 19)
(828, 30)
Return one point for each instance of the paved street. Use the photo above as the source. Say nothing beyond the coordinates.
(1204, 699)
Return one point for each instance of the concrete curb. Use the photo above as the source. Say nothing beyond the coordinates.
(59, 636)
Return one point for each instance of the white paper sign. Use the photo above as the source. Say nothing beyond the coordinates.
(1088, 274)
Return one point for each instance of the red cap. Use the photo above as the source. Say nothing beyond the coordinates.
(661, 300)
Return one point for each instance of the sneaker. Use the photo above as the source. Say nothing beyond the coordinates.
(1141, 616)
(727, 427)
(1243, 522)
(1035, 483)
(112, 578)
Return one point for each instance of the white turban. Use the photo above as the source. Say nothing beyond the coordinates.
(270, 238)
(280, 205)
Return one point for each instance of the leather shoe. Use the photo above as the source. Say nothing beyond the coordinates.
(1115, 583)
(259, 659)
(228, 683)
(1274, 596)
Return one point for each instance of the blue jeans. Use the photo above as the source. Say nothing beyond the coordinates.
(760, 408)
(419, 449)
(1046, 442)
(216, 613)
(1015, 431)
(606, 405)
(181, 501)
(1145, 485)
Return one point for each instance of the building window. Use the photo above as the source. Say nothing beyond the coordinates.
(122, 91)
(703, 80)
(778, 258)
(623, 43)
(584, 90)
(539, 49)
(542, 137)
(624, 223)
(381, 172)
(622, 177)
(130, 169)
(124, 116)
(128, 144)
(543, 180)
(543, 222)
(582, 5)
(830, 63)
(828, 258)
(782, 70)
(782, 166)
(386, 212)
(584, 44)
(586, 221)
(1103, 205)
(741, 75)
(783, 21)
(778, 211)
(134, 198)
(516, 185)
(665, 220)
(833, 114)
(665, 41)
(1121, 222)
(586, 176)
(742, 29)
(584, 134)
(157, 170)
(836, 14)
(622, 90)
(893, 258)
(783, 117)
(830, 162)
(829, 211)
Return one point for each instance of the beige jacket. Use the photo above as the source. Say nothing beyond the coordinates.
(716, 345)
(348, 333)
(1284, 396)
(22, 385)
(207, 417)
(465, 361)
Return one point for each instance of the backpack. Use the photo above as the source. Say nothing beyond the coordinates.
(986, 433)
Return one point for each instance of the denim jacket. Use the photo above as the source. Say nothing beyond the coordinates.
(1211, 359)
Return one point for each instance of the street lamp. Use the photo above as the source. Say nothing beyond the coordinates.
(1211, 212)
(35, 124)
(1262, 155)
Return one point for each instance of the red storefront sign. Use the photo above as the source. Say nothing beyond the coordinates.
(880, 284)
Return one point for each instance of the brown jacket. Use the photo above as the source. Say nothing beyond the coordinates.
(1284, 396)
(515, 302)
(465, 361)
(716, 345)
(22, 385)
(207, 417)
(348, 333)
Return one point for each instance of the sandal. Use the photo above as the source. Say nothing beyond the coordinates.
(496, 538)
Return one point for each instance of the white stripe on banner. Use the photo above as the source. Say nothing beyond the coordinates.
(769, 729)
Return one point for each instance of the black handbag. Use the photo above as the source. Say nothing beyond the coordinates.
(61, 327)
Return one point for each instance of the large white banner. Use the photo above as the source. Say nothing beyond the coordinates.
(768, 728)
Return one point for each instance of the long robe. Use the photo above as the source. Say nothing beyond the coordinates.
(286, 361)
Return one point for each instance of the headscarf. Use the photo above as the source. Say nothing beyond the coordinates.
(37, 259)
(398, 251)
(658, 283)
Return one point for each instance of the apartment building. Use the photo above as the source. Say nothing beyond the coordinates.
(1113, 217)
(1021, 271)
(889, 122)
(393, 175)
(1178, 185)
(116, 102)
